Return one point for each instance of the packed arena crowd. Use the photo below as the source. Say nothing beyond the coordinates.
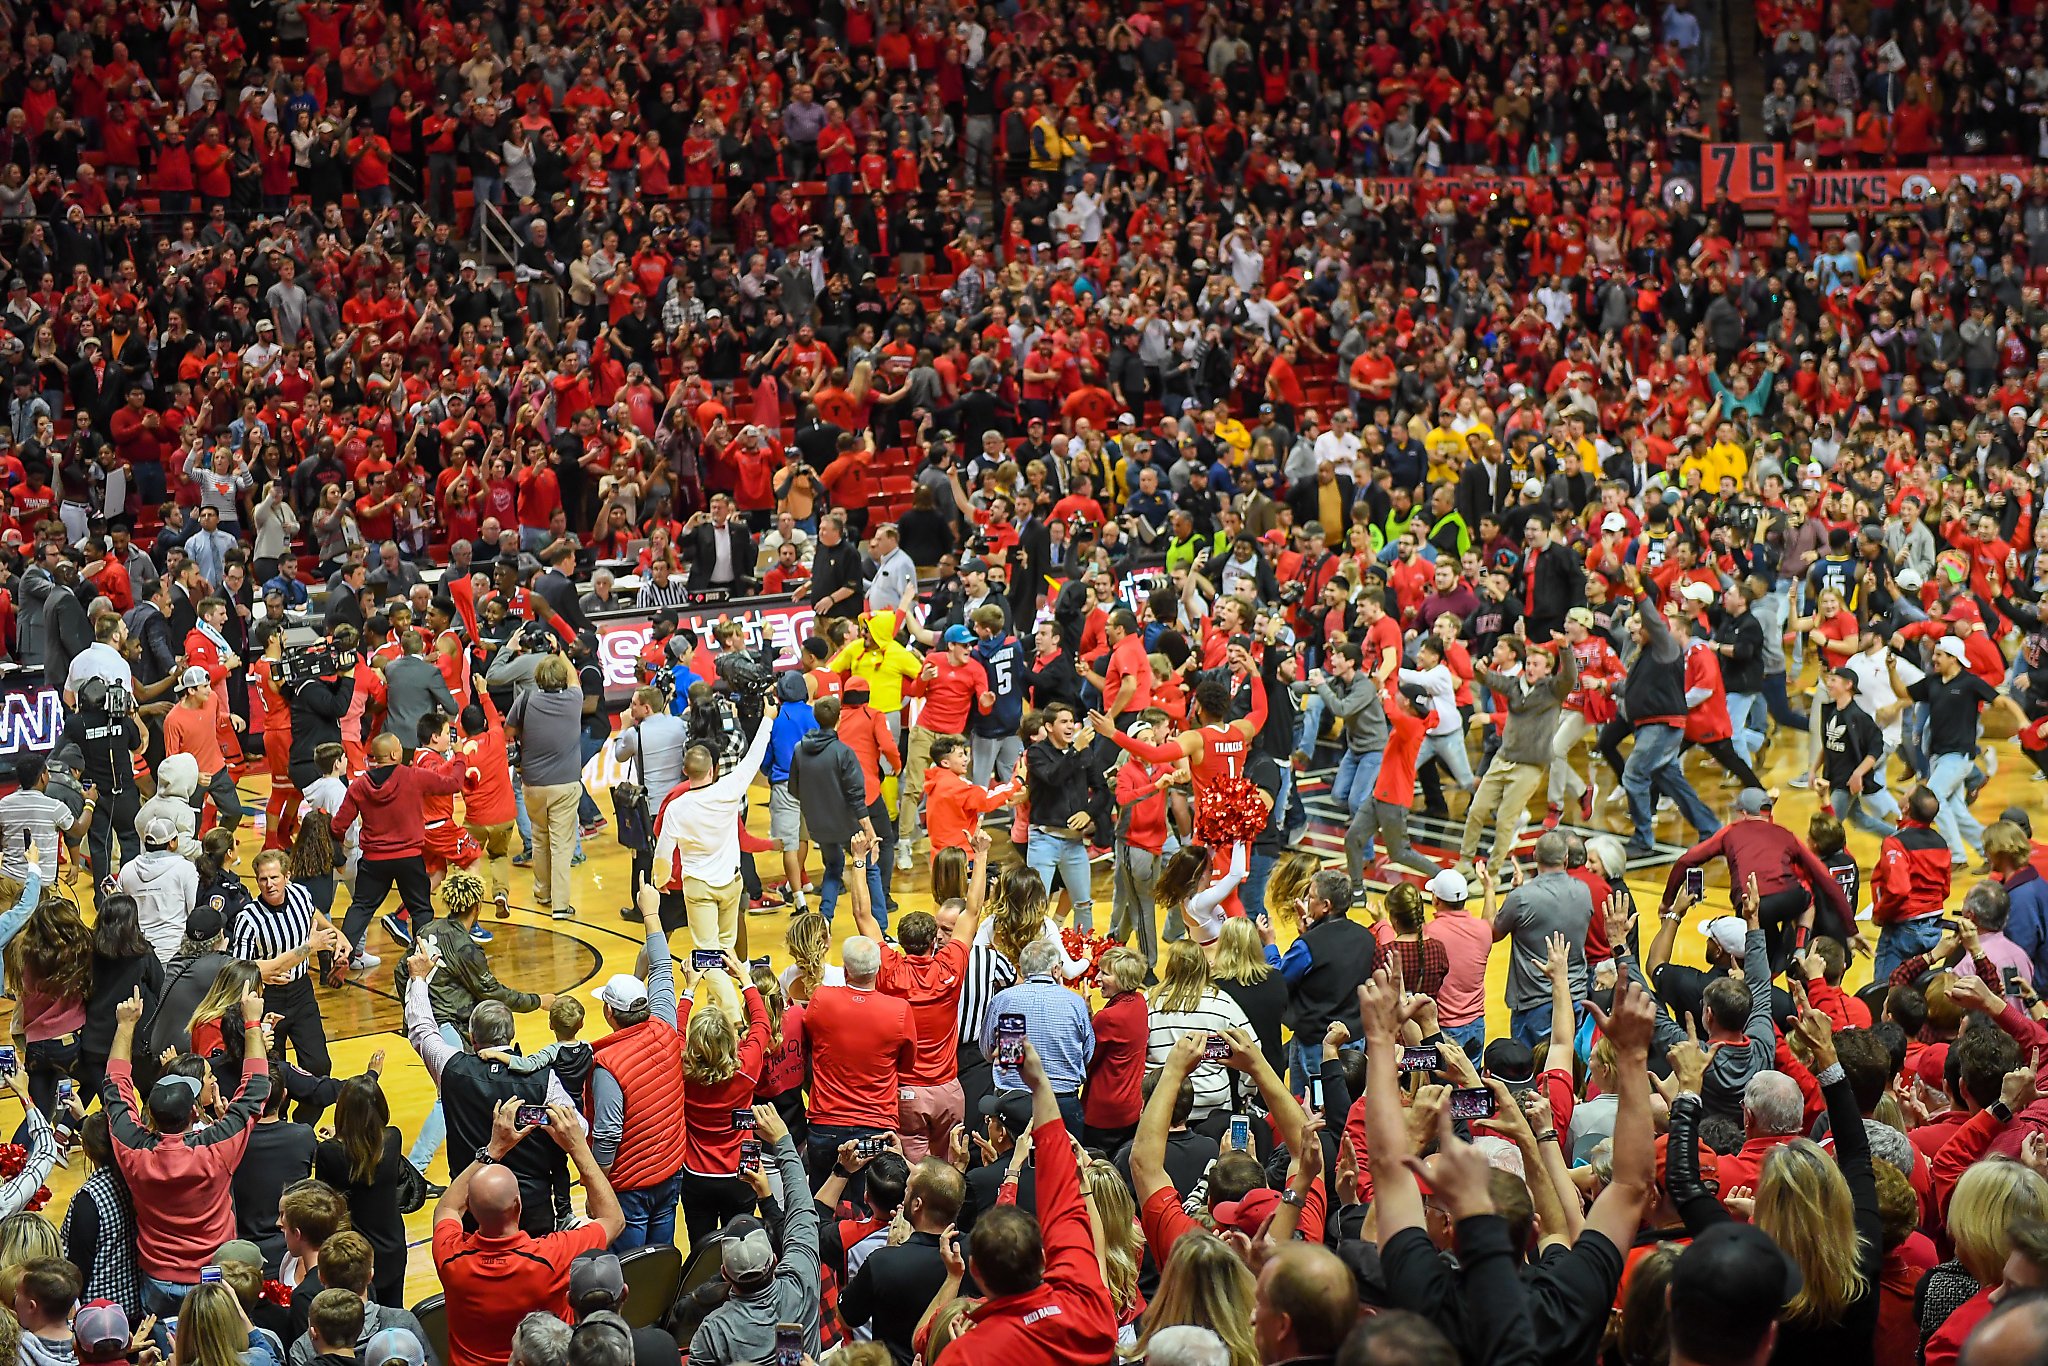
(1179, 619)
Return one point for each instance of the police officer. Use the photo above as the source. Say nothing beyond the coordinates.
(109, 740)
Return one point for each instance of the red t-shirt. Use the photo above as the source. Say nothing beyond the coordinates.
(1404, 741)
(951, 695)
(493, 1283)
(1127, 660)
(863, 1046)
(931, 986)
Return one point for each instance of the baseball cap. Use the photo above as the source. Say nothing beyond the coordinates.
(469, 265)
(1533, 488)
(1698, 592)
(159, 830)
(1953, 648)
(1013, 1108)
(1932, 1066)
(1710, 1161)
(100, 1331)
(1962, 609)
(395, 1345)
(1275, 537)
(1752, 801)
(2016, 413)
(239, 1250)
(1732, 1274)
(194, 677)
(1448, 885)
(1582, 615)
(1614, 521)
(1909, 577)
(1728, 932)
(1248, 1215)
(974, 564)
(623, 992)
(206, 923)
(596, 1273)
(857, 687)
(173, 1098)
(959, 635)
(745, 1252)
(1511, 1062)
(1847, 676)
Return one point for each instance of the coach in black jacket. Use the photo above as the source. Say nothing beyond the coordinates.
(704, 536)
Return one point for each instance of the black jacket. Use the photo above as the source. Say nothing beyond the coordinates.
(1305, 497)
(1655, 686)
(891, 1290)
(66, 633)
(317, 706)
(834, 567)
(1560, 584)
(1480, 495)
(1063, 782)
(1742, 668)
(471, 1091)
(826, 779)
(704, 556)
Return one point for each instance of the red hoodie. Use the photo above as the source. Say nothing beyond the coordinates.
(388, 798)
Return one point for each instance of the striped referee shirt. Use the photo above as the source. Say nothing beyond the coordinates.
(988, 972)
(262, 930)
(652, 594)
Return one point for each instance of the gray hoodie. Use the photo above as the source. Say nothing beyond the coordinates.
(37, 1351)
(376, 1318)
(1730, 1068)
(743, 1328)
(165, 886)
(1358, 703)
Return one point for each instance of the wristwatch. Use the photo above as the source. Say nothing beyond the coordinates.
(1293, 1197)
(2001, 1111)
(483, 1157)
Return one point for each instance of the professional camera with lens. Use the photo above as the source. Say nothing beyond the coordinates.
(301, 664)
(100, 694)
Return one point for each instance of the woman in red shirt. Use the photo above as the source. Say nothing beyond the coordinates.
(721, 1071)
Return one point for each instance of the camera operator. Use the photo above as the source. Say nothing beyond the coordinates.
(318, 705)
(109, 740)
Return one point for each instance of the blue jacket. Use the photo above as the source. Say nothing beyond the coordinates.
(2027, 926)
(793, 721)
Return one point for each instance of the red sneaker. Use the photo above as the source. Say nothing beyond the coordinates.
(1586, 804)
(1553, 816)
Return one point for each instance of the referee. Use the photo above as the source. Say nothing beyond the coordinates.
(279, 930)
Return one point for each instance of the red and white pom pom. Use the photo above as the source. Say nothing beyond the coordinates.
(1233, 811)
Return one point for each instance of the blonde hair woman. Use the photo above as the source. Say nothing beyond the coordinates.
(25, 1237)
(781, 1083)
(721, 1068)
(809, 941)
(1187, 1001)
(1993, 1197)
(1113, 1217)
(1206, 1285)
(1243, 968)
(214, 1330)
(1019, 917)
(1821, 1209)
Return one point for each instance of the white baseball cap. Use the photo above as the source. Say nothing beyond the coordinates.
(623, 992)
(1448, 885)
(1614, 521)
(1699, 592)
(1728, 931)
(1952, 646)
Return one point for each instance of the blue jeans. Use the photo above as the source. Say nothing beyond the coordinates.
(1045, 851)
(1963, 832)
(1654, 763)
(1356, 774)
(1470, 1038)
(821, 1154)
(1749, 714)
(1865, 809)
(1449, 750)
(1258, 869)
(1531, 1026)
(1311, 724)
(1897, 943)
(834, 881)
(162, 1298)
(434, 1128)
(650, 1215)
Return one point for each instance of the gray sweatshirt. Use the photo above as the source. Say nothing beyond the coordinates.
(1358, 703)
(743, 1328)
(1730, 1068)
(1532, 709)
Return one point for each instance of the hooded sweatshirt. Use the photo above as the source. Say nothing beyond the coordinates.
(826, 779)
(177, 778)
(793, 720)
(388, 799)
(38, 1351)
(165, 886)
(884, 662)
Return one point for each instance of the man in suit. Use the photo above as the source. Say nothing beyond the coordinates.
(1030, 562)
(721, 549)
(557, 587)
(95, 381)
(1485, 485)
(149, 623)
(66, 629)
(413, 686)
(345, 599)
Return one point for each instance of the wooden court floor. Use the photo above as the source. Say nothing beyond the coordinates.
(536, 953)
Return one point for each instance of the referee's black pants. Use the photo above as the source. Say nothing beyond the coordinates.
(300, 1026)
(111, 839)
(375, 877)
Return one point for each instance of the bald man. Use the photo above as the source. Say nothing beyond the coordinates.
(2016, 1333)
(495, 1275)
(1307, 1302)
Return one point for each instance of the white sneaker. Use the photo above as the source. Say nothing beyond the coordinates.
(363, 962)
(904, 857)
(1802, 782)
